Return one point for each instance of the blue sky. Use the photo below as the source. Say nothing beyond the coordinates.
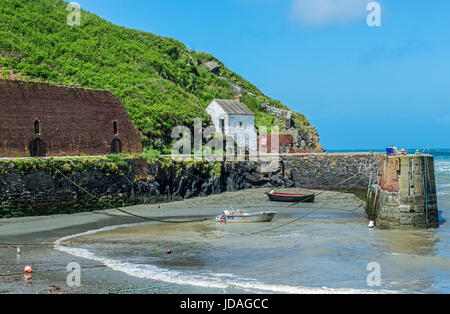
(361, 86)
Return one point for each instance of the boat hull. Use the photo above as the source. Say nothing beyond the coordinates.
(291, 198)
(262, 217)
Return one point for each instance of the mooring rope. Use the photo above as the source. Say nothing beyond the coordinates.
(167, 221)
(298, 219)
(323, 206)
(426, 185)
(187, 221)
(113, 207)
(139, 289)
(63, 266)
(122, 210)
(341, 183)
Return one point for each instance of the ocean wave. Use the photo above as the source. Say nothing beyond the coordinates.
(442, 166)
(443, 189)
(206, 280)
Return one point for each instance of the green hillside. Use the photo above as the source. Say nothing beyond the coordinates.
(161, 82)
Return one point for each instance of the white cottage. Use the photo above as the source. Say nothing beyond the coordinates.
(233, 119)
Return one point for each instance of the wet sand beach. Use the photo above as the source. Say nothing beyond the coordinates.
(49, 265)
(309, 248)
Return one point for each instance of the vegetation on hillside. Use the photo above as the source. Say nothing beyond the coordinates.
(161, 82)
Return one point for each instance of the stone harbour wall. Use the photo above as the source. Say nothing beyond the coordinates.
(405, 194)
(331, 171)
(34, 187)
(37, 186)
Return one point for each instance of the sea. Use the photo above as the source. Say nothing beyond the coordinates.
(332, 250)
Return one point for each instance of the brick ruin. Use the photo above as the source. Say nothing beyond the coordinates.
(38, 120)
(284, 142)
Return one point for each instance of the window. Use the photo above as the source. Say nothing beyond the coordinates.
(37, 128)
(116, 129)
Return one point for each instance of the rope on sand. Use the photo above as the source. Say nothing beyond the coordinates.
(122, 210)
(317, 209)
(190, 221)
(139, 289)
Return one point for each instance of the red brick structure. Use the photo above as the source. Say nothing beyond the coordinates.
(389, 174)
(38, 119)
(285, 142)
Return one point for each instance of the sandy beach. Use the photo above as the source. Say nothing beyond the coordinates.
(49, 265)
(323, 247)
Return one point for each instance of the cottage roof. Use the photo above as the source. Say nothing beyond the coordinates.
(233, 107)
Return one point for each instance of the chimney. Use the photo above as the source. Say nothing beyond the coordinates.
(239, 98)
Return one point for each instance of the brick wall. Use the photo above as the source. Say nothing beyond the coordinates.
(73, 121)
(389, 174)
(284, 140)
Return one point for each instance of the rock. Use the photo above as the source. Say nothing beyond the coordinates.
(213, 67)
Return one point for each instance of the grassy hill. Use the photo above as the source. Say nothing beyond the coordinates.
(162, 83)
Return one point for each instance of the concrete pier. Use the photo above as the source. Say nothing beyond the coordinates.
(404, 196)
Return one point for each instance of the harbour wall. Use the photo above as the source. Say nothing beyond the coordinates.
(30, 187)
(404, 196)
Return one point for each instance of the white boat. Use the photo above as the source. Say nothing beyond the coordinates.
(241, 216)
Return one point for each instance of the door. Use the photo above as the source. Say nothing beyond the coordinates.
(116, 146)
(37, 148)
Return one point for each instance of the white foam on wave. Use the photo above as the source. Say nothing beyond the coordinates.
(206, 280)
(442, 169)
(442, 166)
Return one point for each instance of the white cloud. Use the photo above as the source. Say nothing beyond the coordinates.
(325, 12)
